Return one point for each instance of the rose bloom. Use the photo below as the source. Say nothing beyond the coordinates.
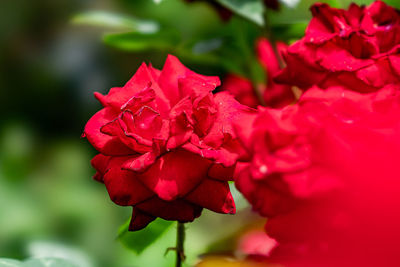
(326, 173)
(166, 143)
(273, 94)
(357, 48)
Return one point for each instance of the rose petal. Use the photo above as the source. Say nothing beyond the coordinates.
(100, 163)
(180, 125)
(219, 172)
(118, 129)
(213, 195)
(140, 220)
(120, 95)
(177, 210)
(123, 186)
(241, 88)
(106, 144)
(174, 70)
(173, 175)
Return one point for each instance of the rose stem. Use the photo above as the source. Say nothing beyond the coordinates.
(180, 239)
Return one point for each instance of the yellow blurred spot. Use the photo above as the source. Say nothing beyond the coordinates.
(296, 91)
(221, 261)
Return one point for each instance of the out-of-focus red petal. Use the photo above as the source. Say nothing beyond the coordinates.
(219, 172)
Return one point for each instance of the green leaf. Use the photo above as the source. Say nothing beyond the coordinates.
(115, 21)
(252, 10)
(207, 46)
(135, 41)
(290, 3)
(289, 31)
(9, 263)
(139, 240)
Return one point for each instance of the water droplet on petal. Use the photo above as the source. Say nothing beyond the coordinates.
(348, 121)
(263, 169)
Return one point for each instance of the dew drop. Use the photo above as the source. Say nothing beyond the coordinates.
(263, 169)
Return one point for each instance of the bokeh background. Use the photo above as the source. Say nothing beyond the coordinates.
(53, 56)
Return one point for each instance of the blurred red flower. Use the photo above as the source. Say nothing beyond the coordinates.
(325, 172)
(273, 94)
(166, 143)
(357, 48)
(256, 244)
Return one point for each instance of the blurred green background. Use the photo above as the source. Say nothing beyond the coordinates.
(53, 56)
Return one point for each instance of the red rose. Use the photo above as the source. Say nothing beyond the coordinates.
(242, 89)
(274, 95)
(357, 48)
(326, 172)
(166, 144)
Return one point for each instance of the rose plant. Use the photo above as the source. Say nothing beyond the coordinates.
(322, 168)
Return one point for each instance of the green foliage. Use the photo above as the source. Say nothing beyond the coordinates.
(252, 10)
(9, 263)
(40, 262)
(46, 192)
(115, 21)
(289, 31)
(140, 240)
(135, 41)
(47, 262)
(394, 3)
